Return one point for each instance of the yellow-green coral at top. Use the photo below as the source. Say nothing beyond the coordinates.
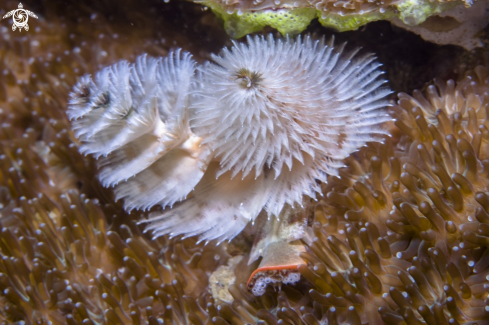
(414, 12)
(351, 22)
(285, 21)
(243, 18)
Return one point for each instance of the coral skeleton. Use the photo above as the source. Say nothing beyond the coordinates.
(254, 130)
(291, 17)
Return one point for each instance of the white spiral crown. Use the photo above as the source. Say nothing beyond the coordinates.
(257, 129)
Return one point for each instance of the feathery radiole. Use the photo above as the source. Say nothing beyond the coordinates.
(252, 131)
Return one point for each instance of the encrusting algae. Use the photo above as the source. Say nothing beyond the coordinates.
(400, 238)
(242, 17)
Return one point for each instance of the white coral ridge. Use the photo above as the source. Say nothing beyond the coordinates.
(255, 129)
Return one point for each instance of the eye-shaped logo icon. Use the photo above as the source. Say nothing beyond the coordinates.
(20, 17)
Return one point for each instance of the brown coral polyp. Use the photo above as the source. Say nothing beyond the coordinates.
(64, 265)
(405, 241)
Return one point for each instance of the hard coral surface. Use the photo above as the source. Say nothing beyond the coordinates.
(458, 26)
(291, 17)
